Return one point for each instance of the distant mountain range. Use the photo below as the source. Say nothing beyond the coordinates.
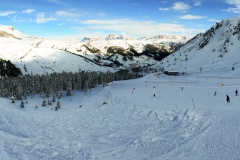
(216, 49)
(157, 39)
(35, 55)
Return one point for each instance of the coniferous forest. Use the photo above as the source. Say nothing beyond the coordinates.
(8, 69)
(54, 84)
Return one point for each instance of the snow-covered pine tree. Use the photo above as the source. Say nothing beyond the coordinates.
(95, 79)
(79, 81)
(102, 79)
(44, 103)
(54, 99)
(86, 86)
(13, 98)
(19, 94)
(49, 102)
(57, 106)
(22, 104)
(69, 88)
(59, 95)
(48, 92)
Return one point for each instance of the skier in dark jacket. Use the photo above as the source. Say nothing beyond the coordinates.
(227, 99)
(236, 92)
(215, 93)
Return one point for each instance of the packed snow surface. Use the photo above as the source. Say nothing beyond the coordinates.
(184, 121)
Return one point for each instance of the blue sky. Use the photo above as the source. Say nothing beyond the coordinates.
(75, 19)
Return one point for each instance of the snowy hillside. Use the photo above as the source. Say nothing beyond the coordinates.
(9, 31)
(125, 121)
(216, 49)
(37, 55)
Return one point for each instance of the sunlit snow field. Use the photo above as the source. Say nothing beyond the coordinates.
(183, 121)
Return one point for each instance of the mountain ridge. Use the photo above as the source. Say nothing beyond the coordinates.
(211, 50)
(38, 55)
(158, 38)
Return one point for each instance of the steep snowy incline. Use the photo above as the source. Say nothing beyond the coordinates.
(9, 31)
(216, 49)
(30, 58)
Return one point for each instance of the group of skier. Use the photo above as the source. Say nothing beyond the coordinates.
(215, 93)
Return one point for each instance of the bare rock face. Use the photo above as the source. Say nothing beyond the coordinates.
(118, 37)
(10, 32)
(6, 35)
(11, 28)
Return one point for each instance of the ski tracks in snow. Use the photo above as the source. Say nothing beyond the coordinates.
(117, 129)
(128, 132)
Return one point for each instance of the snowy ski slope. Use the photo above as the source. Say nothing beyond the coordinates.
(132, 125)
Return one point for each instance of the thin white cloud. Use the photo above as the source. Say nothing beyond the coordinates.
(164, 9)
(41, 18)
(7, 13)
(76, 21)
(197, 3)
(163, 2)
(102, 14)
(232, 10)
(191, 17)
(213, 20)
(233, 2)
(135, 4)
(235, 9)
(146, 17)
(17, 18)
(28, 11)
(177, 7)
(56, 2)
(64, 13)
(180, 6)
(61, 24)
(138, 28)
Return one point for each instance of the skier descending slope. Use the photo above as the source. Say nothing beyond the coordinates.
(227, 99)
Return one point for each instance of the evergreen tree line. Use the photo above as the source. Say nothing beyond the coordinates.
(8, 69)
(54, 84)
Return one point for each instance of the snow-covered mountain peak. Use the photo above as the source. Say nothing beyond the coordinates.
(108, 38)
(118, 37)
(168, 38)
(144, 38)
(9, 31)
(86, 39)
